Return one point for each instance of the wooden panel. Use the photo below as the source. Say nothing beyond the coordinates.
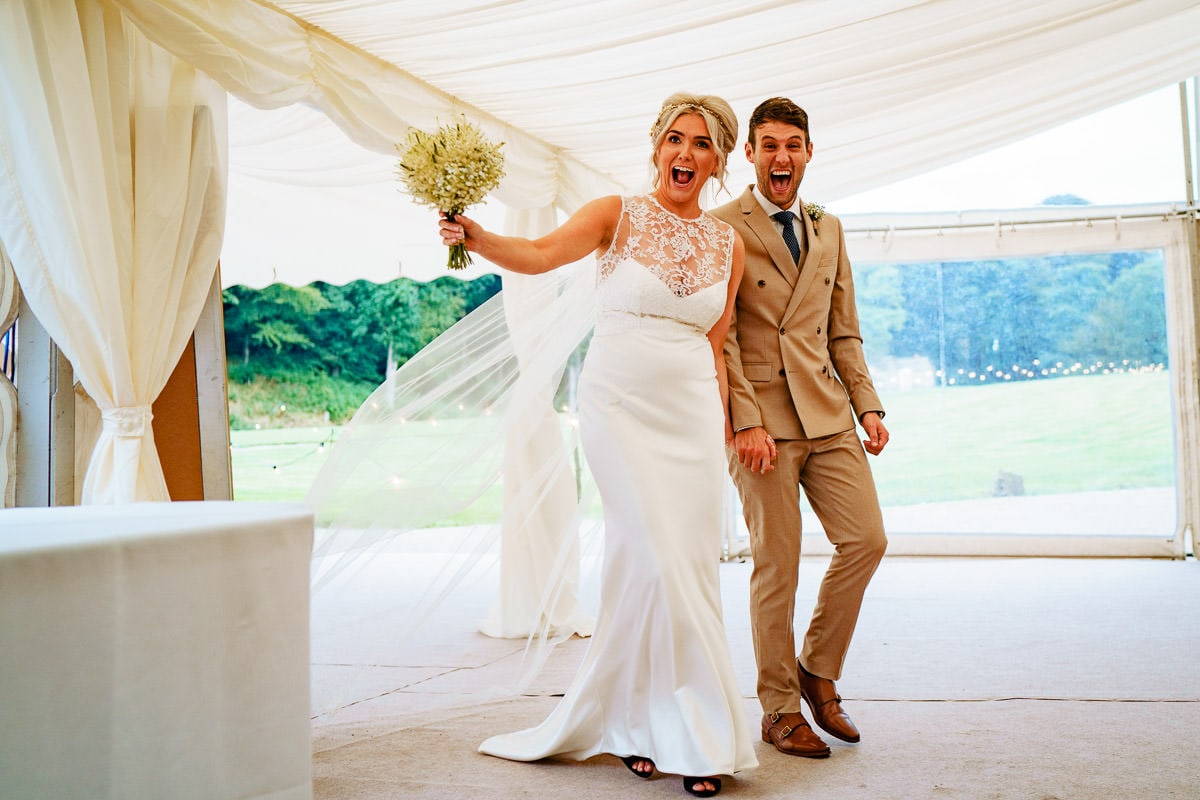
(177, 430)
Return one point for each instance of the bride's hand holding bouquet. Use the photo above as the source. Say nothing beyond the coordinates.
(451, 169)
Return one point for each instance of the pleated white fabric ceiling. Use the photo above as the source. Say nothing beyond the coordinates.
(894, 88)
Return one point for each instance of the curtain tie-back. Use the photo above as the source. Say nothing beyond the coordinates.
(127, 421)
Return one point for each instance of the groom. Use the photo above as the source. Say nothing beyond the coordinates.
(797, 383)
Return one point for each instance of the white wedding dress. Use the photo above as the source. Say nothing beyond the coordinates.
(657, 679)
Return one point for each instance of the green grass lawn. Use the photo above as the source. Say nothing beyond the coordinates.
(277, 463)
(1075, 434)
(1063, 435)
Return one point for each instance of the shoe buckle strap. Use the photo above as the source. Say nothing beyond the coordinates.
(786, 730)
(837, 698)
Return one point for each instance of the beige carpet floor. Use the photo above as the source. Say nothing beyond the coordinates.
(1048, 679)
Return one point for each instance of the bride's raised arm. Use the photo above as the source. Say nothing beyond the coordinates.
(590, 229)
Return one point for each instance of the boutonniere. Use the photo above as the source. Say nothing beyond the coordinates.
(815, 211)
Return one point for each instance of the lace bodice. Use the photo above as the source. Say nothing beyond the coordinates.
(663, 265)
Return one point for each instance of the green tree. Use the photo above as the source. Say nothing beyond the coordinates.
(1065, 200)
(879, 295)
(440, 304)
(271, 323)
(239, 326)
(358, 330)
(1130, 322)
(395, 306)
(1069, 296)
(284, 322)
(350, 340)
(478, 291)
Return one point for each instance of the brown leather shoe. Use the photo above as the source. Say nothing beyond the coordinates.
(826, 705)
(791, 735)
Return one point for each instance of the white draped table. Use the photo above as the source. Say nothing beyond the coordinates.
(155, 650)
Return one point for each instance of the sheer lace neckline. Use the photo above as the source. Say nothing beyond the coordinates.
(669, 212)
(686, 254)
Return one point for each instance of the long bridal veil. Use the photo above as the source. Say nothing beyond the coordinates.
(467, 421)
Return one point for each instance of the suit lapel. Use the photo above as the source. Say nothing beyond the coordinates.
(810, 253)
(761, 226)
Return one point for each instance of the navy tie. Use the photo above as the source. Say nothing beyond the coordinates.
(789, 233)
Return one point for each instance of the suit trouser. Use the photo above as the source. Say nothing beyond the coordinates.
(836, 478)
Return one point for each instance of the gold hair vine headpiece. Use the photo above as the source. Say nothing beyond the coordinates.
(666, 112)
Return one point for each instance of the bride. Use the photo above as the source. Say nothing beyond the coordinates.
(656, 686)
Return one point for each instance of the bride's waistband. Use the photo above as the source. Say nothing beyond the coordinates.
(611, 321)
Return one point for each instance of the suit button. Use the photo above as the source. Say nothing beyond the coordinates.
(824, 370)
(782, 373)
(783, 331)
(762, 283)
(827, 281)
(818, 330)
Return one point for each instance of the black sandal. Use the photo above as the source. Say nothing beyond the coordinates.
(629, 761)
(689, 786)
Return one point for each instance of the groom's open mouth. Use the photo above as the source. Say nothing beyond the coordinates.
(682, 176)
(781, 180)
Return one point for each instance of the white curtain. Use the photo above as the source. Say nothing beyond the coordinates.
(112, 154)
(10, 300)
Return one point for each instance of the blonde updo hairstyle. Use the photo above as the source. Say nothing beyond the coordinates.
(718, 117)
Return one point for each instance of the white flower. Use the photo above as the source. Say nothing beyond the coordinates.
(451, 170)
(815, 211)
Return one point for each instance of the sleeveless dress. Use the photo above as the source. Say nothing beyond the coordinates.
(657, 679)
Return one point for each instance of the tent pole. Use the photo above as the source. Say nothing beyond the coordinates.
(1187, 142)
(1196, 107)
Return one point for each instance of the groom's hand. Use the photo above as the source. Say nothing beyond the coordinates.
(755, 449)
(877, 434)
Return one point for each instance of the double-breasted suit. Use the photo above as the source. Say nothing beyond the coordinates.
(796, 368)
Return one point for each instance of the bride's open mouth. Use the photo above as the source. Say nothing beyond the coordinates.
(682, 176)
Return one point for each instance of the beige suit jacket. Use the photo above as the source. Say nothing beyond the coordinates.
(794, 352)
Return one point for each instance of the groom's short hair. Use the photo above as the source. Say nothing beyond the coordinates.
(779, 109)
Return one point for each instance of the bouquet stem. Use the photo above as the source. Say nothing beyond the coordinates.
(459, 258)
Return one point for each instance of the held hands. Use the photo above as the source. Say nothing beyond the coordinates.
(755, 449)
(877, 434)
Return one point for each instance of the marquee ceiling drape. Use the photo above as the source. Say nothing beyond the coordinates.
(894, 87)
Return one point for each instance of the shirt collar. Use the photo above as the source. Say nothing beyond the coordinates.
(770, 207)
